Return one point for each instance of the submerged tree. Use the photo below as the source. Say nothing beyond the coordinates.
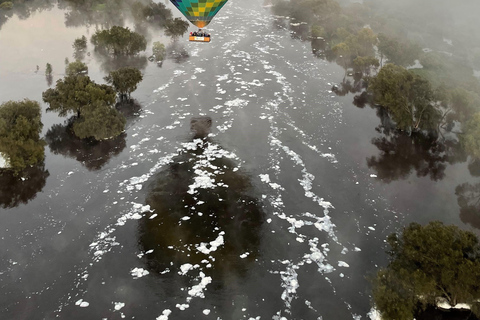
(124, 80)
(408, 98)
(471, 137)
(80, 43)
(402, 53)
(159, 51)
(76, 68)
(427, 263)
(175, 28)
(91, 103)
(99, 121)
(20, 127)
(119, 41)
(73, 93)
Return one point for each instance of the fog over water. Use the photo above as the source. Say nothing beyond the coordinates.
(242, 188)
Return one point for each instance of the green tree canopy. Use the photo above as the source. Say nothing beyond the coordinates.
(159, 51)
(408, 98)
(20, 127)
(124, 80)
(99, 121)
(73, 93)
(471, 137)
(427, 262)
(76, 68)
(80, 43)
(402, 53)
(119, 41)
(175, 28)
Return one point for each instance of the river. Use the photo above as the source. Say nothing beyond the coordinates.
(240, 189)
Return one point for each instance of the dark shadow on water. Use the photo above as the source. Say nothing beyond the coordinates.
(318, 47)
(17, 189)
(130, 109)
(182, 218)
(468, 198)
(92, 154)
(402, 154)
(177, 52)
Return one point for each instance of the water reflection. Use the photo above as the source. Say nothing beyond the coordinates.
(318, 47)
(108, 63)
(101, 15)
(92, 154)
(182, 218)
(24, 9)
(401, 154)
(468, 198)
(21, 188)
(177, 52)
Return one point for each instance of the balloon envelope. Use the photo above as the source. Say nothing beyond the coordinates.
(199, 12)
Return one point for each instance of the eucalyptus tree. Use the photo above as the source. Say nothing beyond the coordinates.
(409, 98)
(427, 263)
(20, 127)
(119, 41)
(124, 80)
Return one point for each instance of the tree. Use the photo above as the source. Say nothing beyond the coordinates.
(318, 31)
(119, 41)
(159, 51)
(364, 64)
(408, 98)
(20, 127)
(124, 80)
(80, 44)
(99, 121)
(342, 50)
(471, 137)
(175, 28)
(48, 70)
(76, 68)
(73, 93)
(426, 263)
(402, 53)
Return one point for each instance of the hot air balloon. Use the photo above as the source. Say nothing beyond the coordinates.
(199, 12)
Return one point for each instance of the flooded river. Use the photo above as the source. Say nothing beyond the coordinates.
(243, 188)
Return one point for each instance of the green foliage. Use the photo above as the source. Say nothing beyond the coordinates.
(124, 80)
(365, 63)
(80, 43)
(402, 53)
(73, 93)
(99, 121)
(20, 127)
(159, 51)
(48, 69)
(408, 98)
(119, 41)
(176, 28)
(427, 262)
(6, 5)
(471, 137)
(76, 68)
(318, 31)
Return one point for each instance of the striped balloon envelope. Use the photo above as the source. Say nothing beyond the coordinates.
(199, 12)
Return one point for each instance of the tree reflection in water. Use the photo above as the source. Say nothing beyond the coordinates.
(92, 154)
(182, 218)
(23, 187)
(401, 154)
(468, 198)
(108, 63)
